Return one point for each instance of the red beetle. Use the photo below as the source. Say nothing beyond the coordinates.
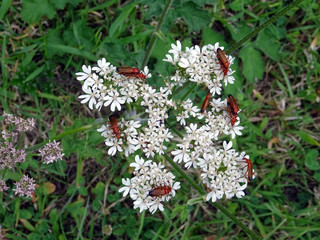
(160, 191)
(131, 72)
(249, 171)
(114, 126)
(205, 103)
(232, 108)
(223, 61)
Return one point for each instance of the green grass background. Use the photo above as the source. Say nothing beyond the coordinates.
(44, 42)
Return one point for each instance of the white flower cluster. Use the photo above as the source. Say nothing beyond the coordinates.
(201, 66)
(218, 120)
(150, 186)
(223, 170)
(128, 140)
(155, 134)
(104, 86)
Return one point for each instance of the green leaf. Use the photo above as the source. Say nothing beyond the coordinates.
(253, 66)
(99, 189)
(7, 94)
(72, 50)
(238, 30)
(211, 37)
(54, 217)
(311, 161)
(34, 236)
(75, 2)
(200, 3)
(5, 5)
(60, 4)
(317, 176)
(33, 10)
(268, 44)
(25, 214)
(53, 38)
(263, 123)
(237, 5)
(184, 214)
(195, 18)
(80, 35)
(120, 230)
(195, 200)
(119, 24)
(177, 208)
(75, 206)
(233, 206)
(34, 74)
(27, 225)
(43, 227)
(83, 191)
(307, 138)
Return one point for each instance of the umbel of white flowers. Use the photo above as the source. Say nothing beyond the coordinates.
(104, 86)
(149, 175)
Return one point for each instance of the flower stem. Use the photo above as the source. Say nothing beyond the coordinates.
(215, 204)
(20, 140)
(142, 216)
(156, 32)
(65, 133)
(189, 91)
(263, 26)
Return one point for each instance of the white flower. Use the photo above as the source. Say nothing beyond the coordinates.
(184, 63)
(181, 154)
(128, 186)
(176, 49)
(91, 97)
(146, 72)
(140, 163)
(113, 99)
(236, 130)
(154, 205)
(168, 59)
(103, 65)
(85, 74)
(182, 117)
(114, 144)
(95, 82)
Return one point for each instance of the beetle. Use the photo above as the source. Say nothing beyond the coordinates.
(160, 191)
(131, 72)
(249, 171)
(233, 104)
(114, 126)
(205, 103)
(223, 61)
(232, 108)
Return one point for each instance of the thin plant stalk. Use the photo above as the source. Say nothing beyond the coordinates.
(59, 136)
(153, 38)
(263, 26)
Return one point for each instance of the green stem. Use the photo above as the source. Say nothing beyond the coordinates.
(72, 131)
(187, 93)
(141, 223)
(177, 132)
(215, 204)
(263, 26)
(153, 38)
(20, 140)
